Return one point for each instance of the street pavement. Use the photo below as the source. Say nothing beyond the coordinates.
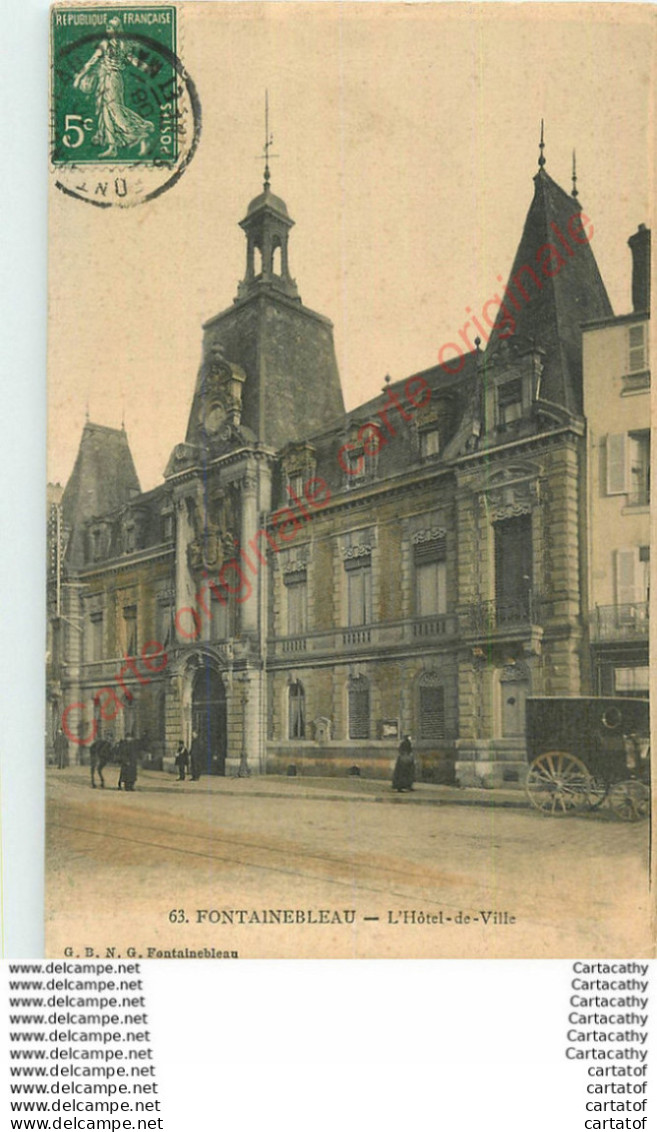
(311, 867)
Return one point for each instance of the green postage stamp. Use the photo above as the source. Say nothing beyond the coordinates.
(121, 100)
(114, 93)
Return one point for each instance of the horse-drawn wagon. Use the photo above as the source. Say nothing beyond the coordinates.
(585, 750)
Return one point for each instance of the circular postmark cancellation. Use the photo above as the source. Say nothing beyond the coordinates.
(125, 115)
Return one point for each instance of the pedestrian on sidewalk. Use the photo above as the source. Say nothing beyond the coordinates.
(128, 756)
(61, 749)
(182, 760)
(404, 772)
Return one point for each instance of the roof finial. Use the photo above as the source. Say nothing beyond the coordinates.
(574, 193)
(269, 141)
(541, 160)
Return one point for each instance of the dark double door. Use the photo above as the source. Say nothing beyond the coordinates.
(209, 719)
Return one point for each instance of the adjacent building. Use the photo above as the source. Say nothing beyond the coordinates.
(617, 539)
(307, 584)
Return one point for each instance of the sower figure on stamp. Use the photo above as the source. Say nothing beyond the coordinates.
(404, 773)
(196, 757)
(182, 760)
(102, 75)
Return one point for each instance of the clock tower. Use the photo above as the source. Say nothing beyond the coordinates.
(283, 350)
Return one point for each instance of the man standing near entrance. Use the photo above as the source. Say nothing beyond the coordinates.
(196, 757)
(182, 760)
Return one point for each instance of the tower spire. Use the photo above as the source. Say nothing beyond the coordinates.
(269, 141)
(574, 193)
(541, 146)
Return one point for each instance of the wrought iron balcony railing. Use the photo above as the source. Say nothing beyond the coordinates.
(486, 617)
(620, 622)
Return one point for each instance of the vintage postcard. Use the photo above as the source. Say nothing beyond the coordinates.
(349, 480)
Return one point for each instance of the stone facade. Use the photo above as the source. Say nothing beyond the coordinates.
(321, 583)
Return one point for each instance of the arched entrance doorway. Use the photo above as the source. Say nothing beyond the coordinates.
(209, 718)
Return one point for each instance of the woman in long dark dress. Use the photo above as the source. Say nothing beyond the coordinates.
(404, 773)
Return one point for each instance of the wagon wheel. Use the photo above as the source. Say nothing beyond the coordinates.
(630, 800)
(558, 783)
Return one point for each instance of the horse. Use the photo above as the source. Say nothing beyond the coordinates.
(100, 753)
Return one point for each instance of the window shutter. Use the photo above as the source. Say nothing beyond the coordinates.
(616, 464)
(432, 713)
(359, 711)
(637, 348)
(626, 576)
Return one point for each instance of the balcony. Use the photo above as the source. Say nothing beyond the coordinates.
(620, 622)
(383, 635)
(518, 620)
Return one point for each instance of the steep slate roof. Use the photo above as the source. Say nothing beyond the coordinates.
(553, 315)
(103, 478)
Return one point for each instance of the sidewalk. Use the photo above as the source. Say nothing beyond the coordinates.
(345, 789)
(371, 790)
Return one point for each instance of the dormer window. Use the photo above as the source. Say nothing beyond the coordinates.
(167, 526)
(96, 544)
(295, 483)
(429, 442)
(509, 403)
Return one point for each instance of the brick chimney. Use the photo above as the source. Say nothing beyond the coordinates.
(640, 247)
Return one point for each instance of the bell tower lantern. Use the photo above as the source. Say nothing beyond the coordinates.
(267, 227)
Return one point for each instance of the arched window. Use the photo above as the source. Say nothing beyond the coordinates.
(296, 710)
(277, 260)
(257, 260)
(359, 708)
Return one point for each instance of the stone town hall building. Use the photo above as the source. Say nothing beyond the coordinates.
(321, 582)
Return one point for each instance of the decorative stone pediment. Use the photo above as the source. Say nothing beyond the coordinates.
(511, 492)
(429, 534)
(358, 544)
(294, 560)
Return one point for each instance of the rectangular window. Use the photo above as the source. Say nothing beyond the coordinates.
(95, 647)
(296, 589)
(430, 577)
(509, 402)
(429, 443)
(632, 681)
(637, 348)
(220, 613)
(632, 579)
(639, 450)
(513, 569)
(356, 461)
(432, 713)
(295, 483)
(165, 623)
(430, 588)
(130, 629)
(359, 590)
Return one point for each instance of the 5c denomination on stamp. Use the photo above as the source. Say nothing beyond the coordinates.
(125, 116)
